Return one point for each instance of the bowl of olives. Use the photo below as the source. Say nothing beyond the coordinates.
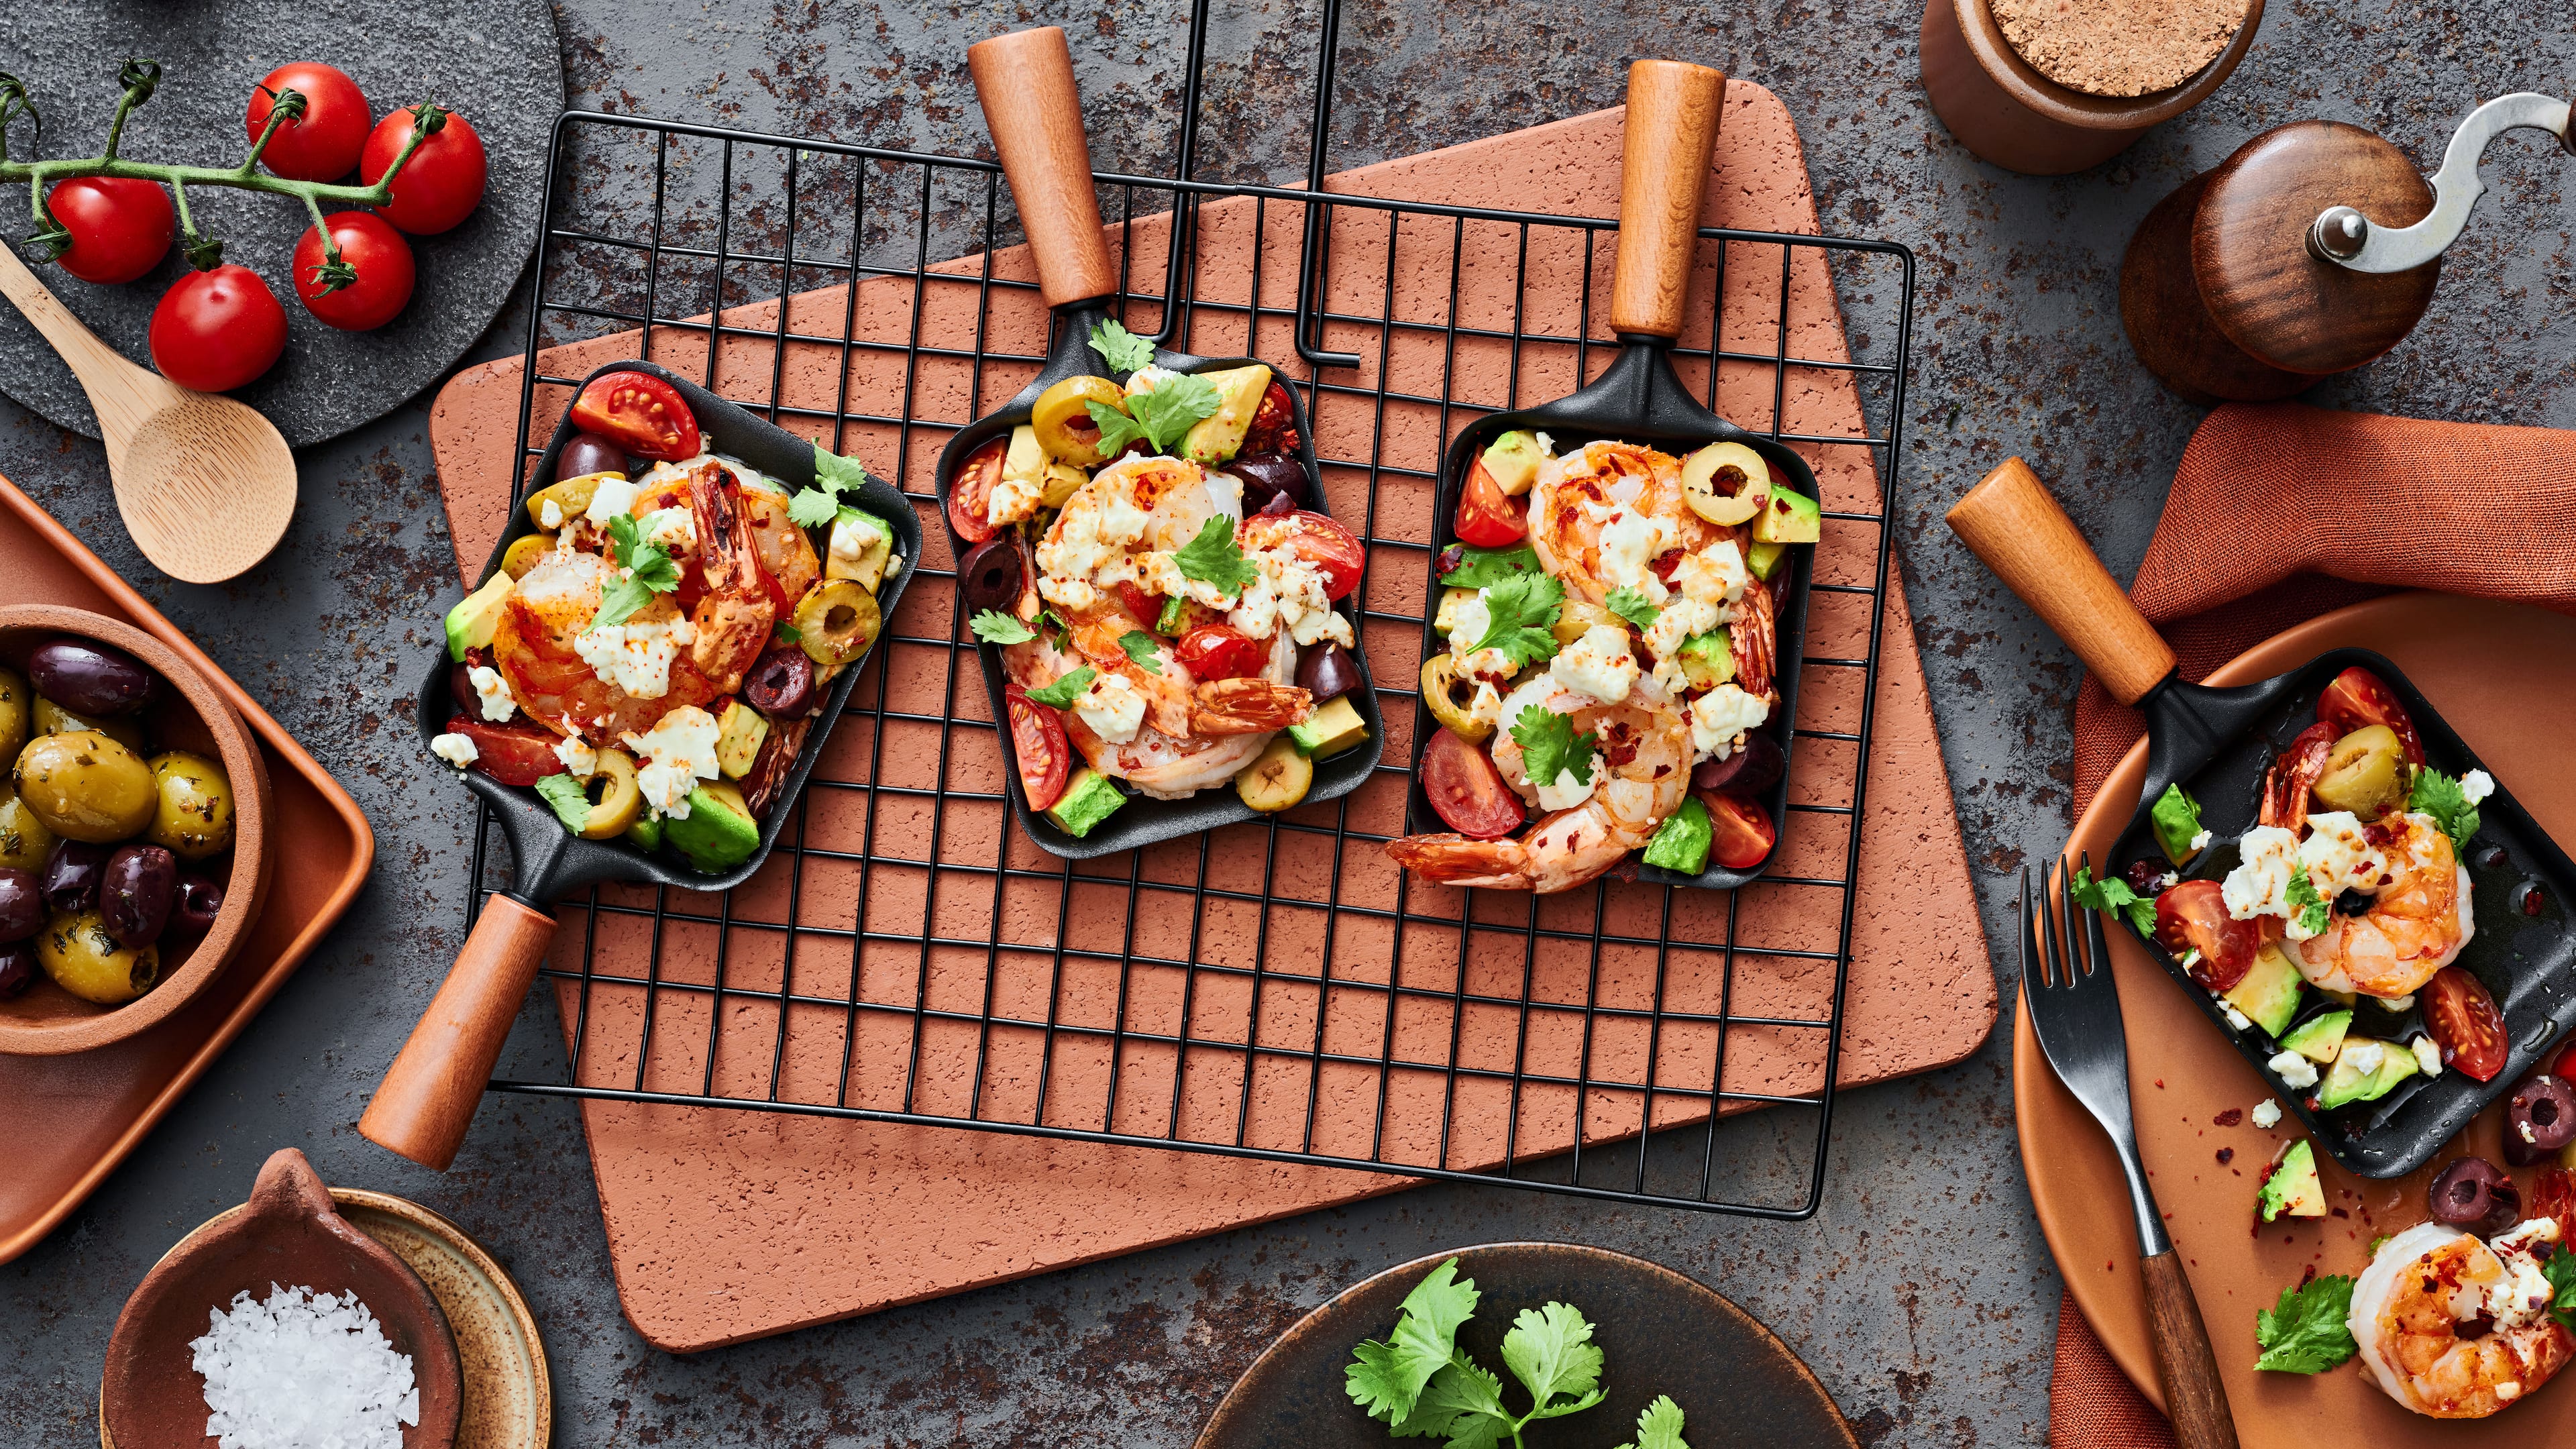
(133, 806)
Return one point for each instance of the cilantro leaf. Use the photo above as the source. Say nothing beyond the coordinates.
(2312, 907)
(1550, 1350)
(1632, 606)
(2176, 821)
(1550, 747)
(652, 573)
(1065, 691)
(1519, 611)
(1479, 567)
(1166, 413)
(819, 504)
(1660, 1426)
(571, 802)
(995, 627)
(2113, 894)
(1140, 647)
(1123, 350)
(1048, 621)
(787, 634)
(1471, 1398)
(2305, 1333)
(2560, 1269)
(2438, 795)
(1117, 429)
(1215, 558)
(1387, 1379)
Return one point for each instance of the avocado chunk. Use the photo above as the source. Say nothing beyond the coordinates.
(718, 833)
(2319, 1038)
(471, 622)
(2365, 1070)
(1681, 842)
(1331, 729)
(1512, 461)
(646, 831)
(1089, 798)
(2293, 1189)
(1708, 660)
(1764, 558)
(860, 544)
(2176, 822)
(739, 731)
(1446, 621)
(1790, 518)
(1219, 435)
(2269, 994)
(1024, 462)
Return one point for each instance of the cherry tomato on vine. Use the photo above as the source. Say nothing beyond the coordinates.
(323, 143)
(121, 226)
(1487, 517)
(640, 413)
(217, 330)
(382, 259)
(970, 495)
(443, 181)
(1219, 651)
(1038, 738)
(1316, 539)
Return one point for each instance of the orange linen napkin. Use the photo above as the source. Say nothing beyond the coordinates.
(2281, 512)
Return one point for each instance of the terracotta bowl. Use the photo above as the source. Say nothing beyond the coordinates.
(189, 715)
(2000, 107)
(289, 1233)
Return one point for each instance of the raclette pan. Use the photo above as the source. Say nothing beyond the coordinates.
(1025, 81)
(2219, 744)
(429, 1094)
(1672, 119)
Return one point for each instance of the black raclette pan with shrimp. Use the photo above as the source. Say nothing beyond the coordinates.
(2219, 745)
(1025, 81)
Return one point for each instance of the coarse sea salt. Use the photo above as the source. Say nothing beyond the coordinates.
(302, 1370)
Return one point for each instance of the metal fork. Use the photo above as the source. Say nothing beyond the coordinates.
(2074, 1007)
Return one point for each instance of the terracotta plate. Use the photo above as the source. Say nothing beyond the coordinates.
(2504, 676)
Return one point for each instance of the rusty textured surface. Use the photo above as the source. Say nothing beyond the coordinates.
(1920, 1294)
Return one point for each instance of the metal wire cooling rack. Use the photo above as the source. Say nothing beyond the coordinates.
(1277, 990)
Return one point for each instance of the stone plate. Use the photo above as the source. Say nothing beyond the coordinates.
(496, 63)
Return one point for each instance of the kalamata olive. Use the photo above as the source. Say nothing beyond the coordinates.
(17, 968)
(2474, 1193)
(2148, 876)
(89, 679)
(1748, 771)
(460, 683)
(2540, 1119)
(1272, 475)
(22, 904)
(1279, 506)
(781, 685)
(71, 875)
(990, 576)
(200, 900)
(136, 894)
(588, 453)
(1327, 672)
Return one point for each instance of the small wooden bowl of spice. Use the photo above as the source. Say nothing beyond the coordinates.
(2052, 86)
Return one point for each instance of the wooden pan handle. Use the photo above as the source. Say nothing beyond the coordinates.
(2195, 1398)
(1663, 169)
(2011, 522)
(429, 1094)
(1025, 80)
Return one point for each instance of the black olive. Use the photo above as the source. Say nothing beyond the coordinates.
(585, 453)
(1270, 476)
(1327, 672)
(1748, 771)
(17, 968)
(71, 875)
(2540, 1119)
(990, 576)
(2474, 1193)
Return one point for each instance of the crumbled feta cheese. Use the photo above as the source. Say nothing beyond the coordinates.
(2260, 883)
(2399, 1003)
(1720, 717)
(1291, 594)
(674, 530)
(1546, 445)
(2476, 785)
(1112, 708)
(2338, 855)
(2524, 1293)
(549, 513)
(2294, 1070)
(493, 691)
(2428, 1057)
(2266, 1114)
(1468, 621)
(1486, 707)
(615, 497)
(1489, 666)
(1098, 523)
(2236, 1020)
(1714, 575)
(579, 759)
(2365, 1058)
(1566, 792)
(457, 750)
(1013, 499)
(1630, 543)
(678, 751)
(1680, 620)
(1598, 664)
(636, 656)
(2200, 842)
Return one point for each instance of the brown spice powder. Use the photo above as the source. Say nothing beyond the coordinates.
(2119, 47)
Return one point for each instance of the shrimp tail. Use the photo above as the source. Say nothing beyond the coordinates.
(1457, 860)
(2293, 774)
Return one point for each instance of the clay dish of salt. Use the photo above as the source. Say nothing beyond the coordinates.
(290, 1234)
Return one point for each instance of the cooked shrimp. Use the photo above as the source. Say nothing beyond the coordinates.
(2455, 1329)
(2293, 774)
(1164, 764)
(533, 648)
(1096, 635)
(1578, 493)
(1247, 706)
(1111, 528)
(1754, 631)
(1643, 776)
(2418, 919)
(737, 612)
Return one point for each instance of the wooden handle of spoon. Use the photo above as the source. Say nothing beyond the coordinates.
(2195, 1398)
(427, 1099)
(104, 373)
(2010, 520)
(1034, 110)
(1663, 170)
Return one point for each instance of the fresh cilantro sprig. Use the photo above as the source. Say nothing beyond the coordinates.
(995, 627)
(2439, 796)
(2113, 894)
(1519, 612)
(2176, 821)
(1420, 1384)
(1660, 1426)
(2560, 1269)
(1633, 606)
(1161, 416)
(1065, 691)
(1550, 747)
(2306, 1332)
(1482, 567)
(650, 572)
(1215, 558)
(570, 801)
(1140, 647)
(1123, 350)
(2312, 906)
(819, 504)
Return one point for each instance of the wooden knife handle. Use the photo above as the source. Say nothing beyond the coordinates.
(427, 1099)
(1025, 80)
(2195, 1398)
(1663, 169)
(2010, 520)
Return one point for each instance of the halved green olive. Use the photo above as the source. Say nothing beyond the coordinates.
(2361, 772)
(1064, 424)
(837, 621)
(1450, 698)
(77, 951)
(87, 786)
(192, 810)
(526, 552)
(614, 799)
(52, 719)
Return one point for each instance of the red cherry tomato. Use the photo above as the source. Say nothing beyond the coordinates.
(2465, 1023)
(443, 181)
(1038, 738)
(121, 227)
(1274, 425)
(2566, 1063)
(323, 143)
(1140, 605)
(217, 330)
(970, 494)
(2357, 698)
(640, 413)
(1316, 539)
(514, 754)
(1215, 651)
(1466, 789)
(2193, 916)
(1487, 517)
(382, 259)
(1740, 833)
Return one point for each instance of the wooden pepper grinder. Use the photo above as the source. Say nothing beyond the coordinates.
(2310, 251)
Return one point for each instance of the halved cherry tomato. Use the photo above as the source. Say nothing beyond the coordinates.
(2465, 1023)
(2357, 698)
(640, 413)
(1316, 539)
(2554, 1196)
(514, 754)
(1139, 603)
(1215, 651)
(970, 496)
(1038, 738)
(1466, 789)
(1487, 517)
(2193, 916)
(1740, 833)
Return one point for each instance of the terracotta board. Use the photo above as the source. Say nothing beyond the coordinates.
(726, 1225)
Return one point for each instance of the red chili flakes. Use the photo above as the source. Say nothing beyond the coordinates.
(2229, 1118)
(2226, 1155)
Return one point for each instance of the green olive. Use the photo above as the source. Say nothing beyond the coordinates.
(837, 621)
(571, 499)
(1449, 697)
(525, 552)
(615, 801)
(17, 708)
(2362, 772)
(1277, 778)
(192, 806)
(1063, 422)
(52, 719)
(24, 840)
(1575, 618)
(83, 959)
(87, 786)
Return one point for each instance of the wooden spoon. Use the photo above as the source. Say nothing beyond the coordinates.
(205, 484)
